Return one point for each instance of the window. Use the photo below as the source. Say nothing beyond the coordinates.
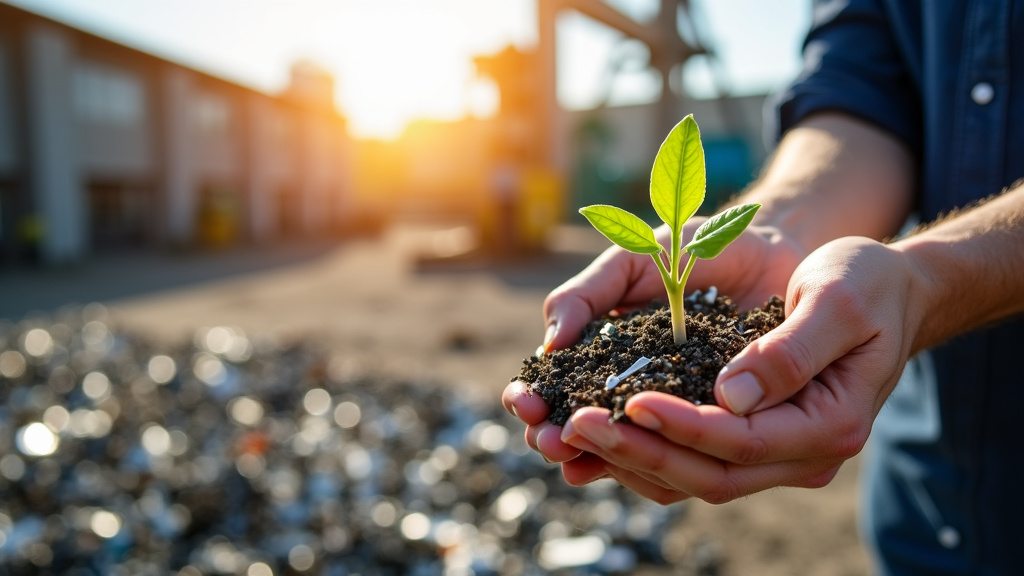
(106, 95)
(212, 114)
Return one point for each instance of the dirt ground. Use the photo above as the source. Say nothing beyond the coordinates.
(468, 324)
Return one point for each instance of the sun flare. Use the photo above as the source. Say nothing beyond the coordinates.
(397, 66)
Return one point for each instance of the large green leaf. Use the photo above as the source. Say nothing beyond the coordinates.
(678, 179)
(720, 230)
(622, 228)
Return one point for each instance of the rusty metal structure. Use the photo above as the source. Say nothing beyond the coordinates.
(528, 80)
(661, 36)
(530, 145)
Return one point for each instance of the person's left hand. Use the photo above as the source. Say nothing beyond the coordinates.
(815, 385)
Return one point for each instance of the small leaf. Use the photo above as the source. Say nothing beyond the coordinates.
(622, 228)
(720, 230)
(678, 178)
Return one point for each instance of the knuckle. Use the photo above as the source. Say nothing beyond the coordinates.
(849, 441)
(694, 436)
(724, 491)
(819, 479)
(796, 362)
(657, 462)
(718, 496)
(751, 451)
(531, 435)
(554, 300)
(665, 497)
(847, 298)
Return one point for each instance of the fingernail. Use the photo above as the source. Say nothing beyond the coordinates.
(602, 434)
(568, 431)
(741, 392)
(549, 337)
(645, 418)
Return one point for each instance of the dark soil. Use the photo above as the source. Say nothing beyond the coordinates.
(573, 378)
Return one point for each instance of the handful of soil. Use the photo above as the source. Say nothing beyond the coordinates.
(573, 378)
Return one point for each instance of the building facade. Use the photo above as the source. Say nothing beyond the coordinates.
(103, 146)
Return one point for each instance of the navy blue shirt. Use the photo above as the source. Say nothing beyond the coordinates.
(945, 468)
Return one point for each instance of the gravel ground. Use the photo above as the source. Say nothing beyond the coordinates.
(467, 324)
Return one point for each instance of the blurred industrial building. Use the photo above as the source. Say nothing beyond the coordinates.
(104, 146)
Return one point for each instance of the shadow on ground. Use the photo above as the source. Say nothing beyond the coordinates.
(542, 270)
(131, 274)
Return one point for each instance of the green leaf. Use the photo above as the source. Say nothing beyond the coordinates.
(678, 179)
(720, 230)
(622, 228)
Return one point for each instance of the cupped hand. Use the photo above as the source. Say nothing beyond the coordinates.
(824, 373)
(756, 266)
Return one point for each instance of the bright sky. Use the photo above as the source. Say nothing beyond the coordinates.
(397, 60)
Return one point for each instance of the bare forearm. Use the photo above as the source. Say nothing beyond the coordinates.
(834, 176)
(970, 268)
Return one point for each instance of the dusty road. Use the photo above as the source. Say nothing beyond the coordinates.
(463, 324)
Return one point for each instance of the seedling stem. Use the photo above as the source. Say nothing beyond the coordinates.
(678, 181)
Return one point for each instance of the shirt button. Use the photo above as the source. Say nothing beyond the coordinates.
(948, 537)
(982, 93)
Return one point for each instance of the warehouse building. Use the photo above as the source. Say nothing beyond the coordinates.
(103, 146)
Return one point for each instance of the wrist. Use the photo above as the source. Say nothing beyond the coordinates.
(784, 209)
(926, 290)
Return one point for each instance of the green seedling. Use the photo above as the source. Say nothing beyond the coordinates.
(678, 181)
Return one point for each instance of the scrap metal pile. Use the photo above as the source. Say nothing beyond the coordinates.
(239, 455)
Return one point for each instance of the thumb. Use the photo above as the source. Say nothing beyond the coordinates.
(566, 315)
(600, 287)
(777, 365)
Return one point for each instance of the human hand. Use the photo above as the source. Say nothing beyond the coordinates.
(823, 375)
(757, 265)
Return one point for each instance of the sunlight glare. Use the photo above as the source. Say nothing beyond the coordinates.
(397, 67)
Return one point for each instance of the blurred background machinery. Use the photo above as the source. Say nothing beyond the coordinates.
(537, 161)
(105, 147)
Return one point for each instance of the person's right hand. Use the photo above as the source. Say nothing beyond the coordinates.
(855, 308)
(752, 269)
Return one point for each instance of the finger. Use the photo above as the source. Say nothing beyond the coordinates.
(818, 422)
(591, 430)
(644, 487)
(684, 469)
(521, 402)
(589, 467)
(584, 470)
(587, 447)
(614, 279)
(777, 365)
(546, 439)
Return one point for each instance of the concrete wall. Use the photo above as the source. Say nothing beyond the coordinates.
(318, 177)
(54, 165)
(273, 160)
(279, 135)
(178, 161)
(263, 170)
(217, 126)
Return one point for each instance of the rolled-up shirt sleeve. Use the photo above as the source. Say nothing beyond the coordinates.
(852, 63)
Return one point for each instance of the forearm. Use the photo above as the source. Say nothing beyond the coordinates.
(835, 176)
(969, 268)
